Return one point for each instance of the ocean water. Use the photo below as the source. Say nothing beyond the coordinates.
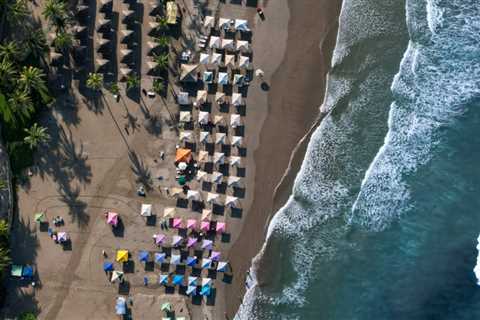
(384, 216)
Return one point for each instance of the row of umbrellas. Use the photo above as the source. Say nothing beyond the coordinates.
(204, 137)
(228, 44)
(226, 23)
(183, 98)
(204, 118)
(215, 58)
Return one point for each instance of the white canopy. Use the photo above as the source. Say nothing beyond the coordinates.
(206, 214)
(214, 42)
(241, 25)
(220, 137)
(201, 96)
(203, 117)
(238, 79)
(209, 21)
(219, 97)
(237, 99)
(237, 141)
(228, 44)
(235, 120)
(193, 195)
(242, 45)
(218, 120)
(202, 156)
(204, 58)
(182, 98)
(204, 136)
(243, 62)
(185, 116)
(222, 78)
(169, 212)
(229, 60)
(235, 161)
(146, 210)
(233, 181)
(231, 201)
(224, 23)
(217, 177)
(212, 197)
(186, 135)
(216, 58)
(201, 175)
(188, 72)
(218, 157)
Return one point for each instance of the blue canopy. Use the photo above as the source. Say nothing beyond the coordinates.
(121, 306)
(27, 271)
(107, 266)
(163, 279)
(191, 261)
(177, 279)
(160, 257)
(191, 290)
(143, 256)
(205, 291)
(192, 281)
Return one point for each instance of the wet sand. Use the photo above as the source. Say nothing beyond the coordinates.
(295, 93)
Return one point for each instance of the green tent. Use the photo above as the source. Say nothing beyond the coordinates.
(16, 270)
(182, 180)
(39, 217)
(166, 307)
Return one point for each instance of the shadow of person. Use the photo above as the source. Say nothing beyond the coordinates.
(265, 86)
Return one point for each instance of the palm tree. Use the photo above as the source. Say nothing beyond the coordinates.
(158, 86)
(161, 60)
(4, 229)
(35, 44)
(9, 51)
(4, 259)
(6, 112)
(32, 79)
(8, 75)
(17, 11)
(36, 135)
(63, 41)
(132, 81)
(163, 22)
(55, 11)
(21, 105)
(163, 41)
(114, 89)
(95, 81)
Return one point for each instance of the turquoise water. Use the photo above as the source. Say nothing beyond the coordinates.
(383, 220)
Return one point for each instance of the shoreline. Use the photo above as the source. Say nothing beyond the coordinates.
(296, 93)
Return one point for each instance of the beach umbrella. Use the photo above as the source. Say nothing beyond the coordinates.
(212, 197)
(82, 9)
(191, 261)
(183, 155)
(235, 120)
(27, 271)
(236, 99)
(204, 136)
(202, 97)
(40, 217)
(224, 23)
(235, 161)
(206, 282)
(221, 227)
(215, 255)
(120, 306)
(241, 25)
(186, 136)
(242, 45)
(177, 223)
(205, 226)
(201, 175)
(208, 77)
(185, 116)
(182, 98)
(176, 240)
(102, 23)
(206, 214)
(127, 14)
(125, 53)
(152, 27)
(228, 44)
(219, 157)
(191, 242)
(182, 166)
(203, 117)
(222, 266)
(207, 244)
(223, 78)
(143, 256)
(193, 195)
(178, 279)
(216, 58)
(112, 218)
(169, 212)
(229, 60)
(124, 34)
(62, 237)
(175, 259)
(205, 291)
(191, 290)
(192, 281)
(233, 181)
(238, 79)
(175, 192)
(219, 97)
(160, 257)
(217, 177)
(202, 156)
(220, 138)
(146, 210)
(163, 279)
(237, 141)
(79, 30)
(100, 63)
(116, 275)
(107, 266)
(204, 58)
(152, 65)
(159, 238)
(122, 256)
(218, 120)
(243, 62)
(209, 21)
(191, 224)
(206, 263)
(188, 72)
(231, 201)
(125, 72)
(166, 307)
(214, 42)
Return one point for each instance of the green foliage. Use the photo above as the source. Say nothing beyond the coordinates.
(9, 51)
(27, 316)
(114, 89)
(63, 41)
(32, 79)
(159, 86)
(133, 81)
(95, 81)
(161, 60)
(163, 41)
(55, 11)
(4, 258)
(15, 11)
(35, 44)
(4, 229)
(36, 135)
(21, 156)
(163, 22)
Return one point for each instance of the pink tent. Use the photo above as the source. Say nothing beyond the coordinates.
(177, 223)
(159, 238)
(207, 244)
(191, 242)
(221, 226)
(112, 218)
(191, 224)
(205, 225)
(215, 255)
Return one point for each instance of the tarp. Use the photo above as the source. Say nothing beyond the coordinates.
(235, 120)
(177, 222)
(176, 240)
(191, 224)
(116, 275)
(163, 279)
(112, 218)
(206, 214)
(206, 263)
(107, 266)
(204, 136)
(160, 257)
(241, 25)
(188, 72)
(191, 261)
(222, 266)
(40, 217)
(191, 290)
(222, 78)
(182, 98)
(184, 155)
(175, 259)
(172, 11)
(122, 256)
(166, 307)
(191, 242)
(220, 226)
(201, 96)
(207, 244)
(169, 212)
(146, 210)
(215, 255)
(120, 306)
(177, 279)
(143, 256)
(203, 117)
(16, 270)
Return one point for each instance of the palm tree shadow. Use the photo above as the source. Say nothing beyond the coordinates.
(154, 125)
(75, 160)
(77, 208)
(140, 170)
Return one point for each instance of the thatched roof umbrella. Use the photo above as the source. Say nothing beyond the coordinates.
(152, 47)
(155, 6)
(82, 10)
(127, 15)
(100, 63)
(103, 44)
(153, 27)
(106, 5)
(124, 35)
(56, 58)
(79, 31)
(103, 24)
(125, 54)
(188, 72)
(124, 73)
(152, 66)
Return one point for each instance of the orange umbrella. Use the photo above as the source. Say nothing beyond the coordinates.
(183, 155)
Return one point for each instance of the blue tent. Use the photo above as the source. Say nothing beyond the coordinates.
(143, 256)
(163, 279)
(121, 306)
(191, 290)
(27, 271)
(205, 291)
(160, 257)
(178, 279)
(107, 266)
(191, 261)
